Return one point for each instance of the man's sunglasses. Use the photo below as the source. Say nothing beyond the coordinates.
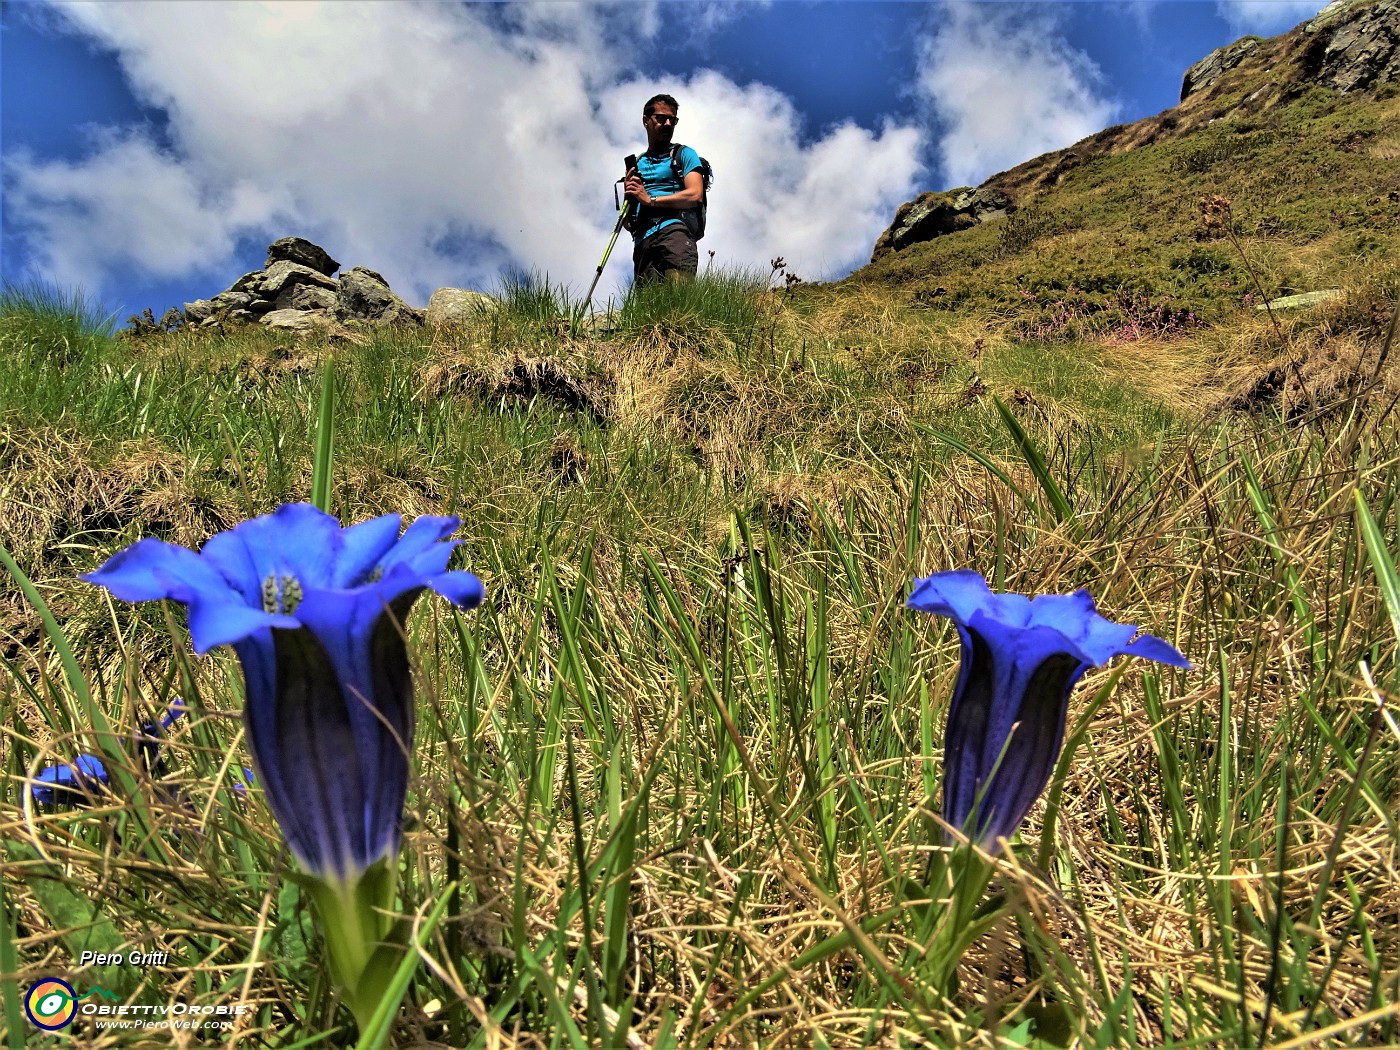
(664, 118)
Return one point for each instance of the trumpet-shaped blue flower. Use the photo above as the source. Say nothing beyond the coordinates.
(1020, 658)
(70, 783)
(86, 776)
(315, 613)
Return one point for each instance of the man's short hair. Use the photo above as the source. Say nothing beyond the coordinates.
(651, 104)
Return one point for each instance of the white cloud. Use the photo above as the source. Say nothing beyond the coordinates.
(1266, 17)
(1005, 86)
(394, 133)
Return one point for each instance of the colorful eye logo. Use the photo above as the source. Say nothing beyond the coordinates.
(51, 1004)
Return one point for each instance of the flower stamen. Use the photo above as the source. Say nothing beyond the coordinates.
(281, 594)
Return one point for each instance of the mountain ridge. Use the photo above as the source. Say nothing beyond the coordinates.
(1350, 46)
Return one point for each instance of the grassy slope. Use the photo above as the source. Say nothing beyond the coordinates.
(773, 453)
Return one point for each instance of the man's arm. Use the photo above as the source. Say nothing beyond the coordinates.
(690, 196)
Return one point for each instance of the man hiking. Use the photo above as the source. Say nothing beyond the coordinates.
(663, 242)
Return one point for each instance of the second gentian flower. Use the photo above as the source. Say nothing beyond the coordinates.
(1021, 657)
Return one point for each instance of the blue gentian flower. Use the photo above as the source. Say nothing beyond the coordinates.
(1020, 658)
(70, 783)
(315, 613)
(78, 782)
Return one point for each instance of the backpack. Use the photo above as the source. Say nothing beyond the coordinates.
(694, 218)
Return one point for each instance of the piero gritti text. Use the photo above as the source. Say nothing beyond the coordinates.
(147, 960)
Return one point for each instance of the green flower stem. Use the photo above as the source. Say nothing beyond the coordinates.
(356, 918)
(960, 879)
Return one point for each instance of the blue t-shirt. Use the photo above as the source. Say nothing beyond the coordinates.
(660, 180)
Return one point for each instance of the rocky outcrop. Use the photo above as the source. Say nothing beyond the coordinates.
(1216, 64)
(296, 290)
(1351, 45)
(932, 215)
(1357, 44)
(303, 252)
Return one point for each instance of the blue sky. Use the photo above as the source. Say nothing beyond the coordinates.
(152, 150)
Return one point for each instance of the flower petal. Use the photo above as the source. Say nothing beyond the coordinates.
(363, 639)
(462, 589)
(223, 622)
(424, 546)
(1005, 725)
(151, 569)
(297, 539)
(1151, 647)
(304, 751)
(70, 783)
(362, 547)
(1077, 618)
(957, 594)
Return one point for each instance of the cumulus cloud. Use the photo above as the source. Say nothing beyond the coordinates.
(1004, 86)
(1267, 17)
(437, 143)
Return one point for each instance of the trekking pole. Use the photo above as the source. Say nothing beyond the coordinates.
(631, 162)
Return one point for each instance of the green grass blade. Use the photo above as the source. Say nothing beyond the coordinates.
(1035, 459)
(1382, 564)
(376, 1032)
(322, 464)
(9, 969)
(989, 464)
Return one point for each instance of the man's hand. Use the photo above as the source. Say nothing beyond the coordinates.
(634, 189)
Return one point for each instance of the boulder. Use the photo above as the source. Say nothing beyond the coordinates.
(303, 252)
(198, 311)
(364, 295)
(305, 297)
(249, 282)
(933, 215)
(299, 320)
(457, 306)
(1216, 64)
(231, 300)
(285, 273)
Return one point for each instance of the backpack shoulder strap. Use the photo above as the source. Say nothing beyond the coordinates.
(676, 148)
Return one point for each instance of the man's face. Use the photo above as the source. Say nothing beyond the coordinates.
(660, 122)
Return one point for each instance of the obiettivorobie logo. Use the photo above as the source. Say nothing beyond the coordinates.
(52, 1004)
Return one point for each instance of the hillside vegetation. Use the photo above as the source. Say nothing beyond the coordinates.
(697, 519)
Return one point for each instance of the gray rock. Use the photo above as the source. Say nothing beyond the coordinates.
(365, 296)
(457, 306)
(249, 282)
(1302, 299)
(933, 215)
(1216, 64)
(304, 297)
(299, 320)
(198, 311)
(301, 251)
(284, 272)
(231, 301)
(1358, 46)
